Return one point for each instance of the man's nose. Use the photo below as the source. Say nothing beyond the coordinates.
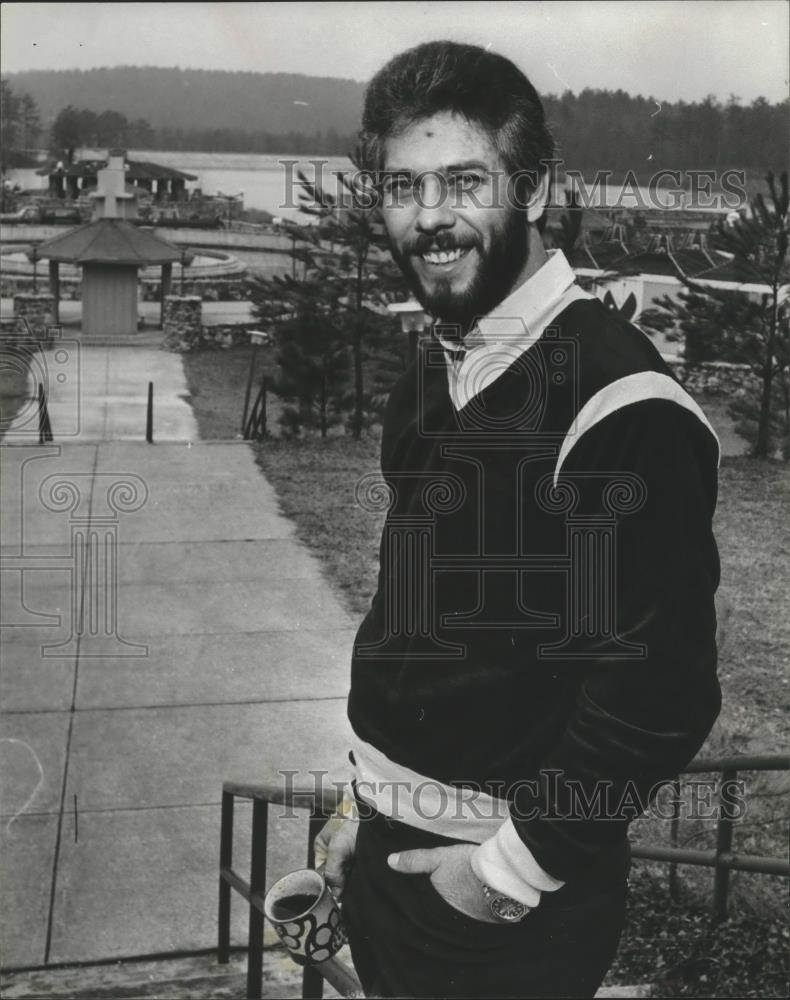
(434, 210)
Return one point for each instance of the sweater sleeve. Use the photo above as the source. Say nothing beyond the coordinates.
(636, 721)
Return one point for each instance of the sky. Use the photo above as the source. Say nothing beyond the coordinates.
(668, 49)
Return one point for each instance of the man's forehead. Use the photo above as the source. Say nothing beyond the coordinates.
(438, 143)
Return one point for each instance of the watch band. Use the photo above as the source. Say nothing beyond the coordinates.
(504, 907)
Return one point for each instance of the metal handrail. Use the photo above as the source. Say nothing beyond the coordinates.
(740, 762)
(722, 859)
(255, 427)
(321, 802)
(321, 805)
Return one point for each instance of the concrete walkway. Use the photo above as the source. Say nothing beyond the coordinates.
(211, 647)
(100, 394)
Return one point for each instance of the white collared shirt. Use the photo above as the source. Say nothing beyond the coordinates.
(511, 328)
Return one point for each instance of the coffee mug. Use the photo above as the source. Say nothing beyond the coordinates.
(303, 911)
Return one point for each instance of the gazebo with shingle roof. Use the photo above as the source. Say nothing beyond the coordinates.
(110, 250)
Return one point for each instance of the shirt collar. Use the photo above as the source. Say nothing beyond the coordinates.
(509, 329)
(524, 313)
(527, 309)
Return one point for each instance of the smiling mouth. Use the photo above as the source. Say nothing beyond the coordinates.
(444, 258)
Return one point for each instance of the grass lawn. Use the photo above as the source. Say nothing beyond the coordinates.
(217, 380)
(315, 482)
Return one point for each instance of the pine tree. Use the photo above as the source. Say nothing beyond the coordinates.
(30, 122)
(719, 324)
(313, 366)
(10, 109)
(68, 132)
(343, 257)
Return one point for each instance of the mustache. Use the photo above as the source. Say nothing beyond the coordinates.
(437, 244)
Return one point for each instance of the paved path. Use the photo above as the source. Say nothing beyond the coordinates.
(228, 658)
(100, 394)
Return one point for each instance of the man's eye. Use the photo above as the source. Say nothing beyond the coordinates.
(397, 184)
(466, 181)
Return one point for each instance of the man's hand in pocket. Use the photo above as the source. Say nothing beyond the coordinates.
(451, 875)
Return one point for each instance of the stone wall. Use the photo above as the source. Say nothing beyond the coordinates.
(218, 335)
(182, 326)
(36, 308)
(208, 289)
(228, 334)
(11, 285)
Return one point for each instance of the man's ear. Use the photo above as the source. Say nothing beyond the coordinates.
(536, 205)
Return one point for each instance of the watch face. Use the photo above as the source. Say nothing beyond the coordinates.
(506, 908)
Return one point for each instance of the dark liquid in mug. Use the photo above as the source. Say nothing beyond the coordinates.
(293, 906)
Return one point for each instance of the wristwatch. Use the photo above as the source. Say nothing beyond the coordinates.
(504, 907)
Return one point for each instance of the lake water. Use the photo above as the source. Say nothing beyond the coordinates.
(269, 182)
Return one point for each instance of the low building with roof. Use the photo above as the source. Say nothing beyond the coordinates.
(660, 269)
(164, 184)
(600, 254)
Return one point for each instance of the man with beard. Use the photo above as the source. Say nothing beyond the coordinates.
(540, 653)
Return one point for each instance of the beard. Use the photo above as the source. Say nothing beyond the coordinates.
(492, 281)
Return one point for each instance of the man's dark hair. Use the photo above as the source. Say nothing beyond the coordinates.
(485, 88)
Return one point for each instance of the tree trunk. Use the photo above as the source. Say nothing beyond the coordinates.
(764, 420)
(764, 423)
(358, 383)
(359, 389)
(322, 410)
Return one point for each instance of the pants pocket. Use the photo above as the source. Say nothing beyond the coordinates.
(447, 915)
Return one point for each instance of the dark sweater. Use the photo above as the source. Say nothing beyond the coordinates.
(454, 675)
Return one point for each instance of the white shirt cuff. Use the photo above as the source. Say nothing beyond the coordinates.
(505, 863)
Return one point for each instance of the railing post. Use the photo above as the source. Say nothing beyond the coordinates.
(255, 428)
(44, 426)
(248, 390)
(312, 980)
(149, 415)
(721, 882)
(674, 825)
(225, 863)
(260, 812)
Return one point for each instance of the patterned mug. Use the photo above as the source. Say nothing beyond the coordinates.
(303, 911)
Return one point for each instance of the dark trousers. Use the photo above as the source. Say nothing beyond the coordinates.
(406, 941)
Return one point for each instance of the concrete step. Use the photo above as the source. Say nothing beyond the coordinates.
(144, 338)
(196, 977)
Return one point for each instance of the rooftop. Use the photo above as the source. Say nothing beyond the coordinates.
(739, 271)
(110, 241)
(137, 170)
